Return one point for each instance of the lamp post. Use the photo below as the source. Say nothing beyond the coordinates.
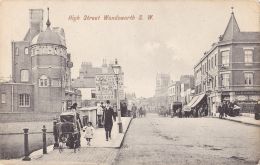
(117, 68)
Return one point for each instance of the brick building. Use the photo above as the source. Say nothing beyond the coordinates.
(230, 70)
(41, 78)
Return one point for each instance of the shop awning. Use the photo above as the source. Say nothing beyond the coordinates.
(193, 100)
(200, 97)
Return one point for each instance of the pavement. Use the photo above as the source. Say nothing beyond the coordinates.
(100, 151)
(99, 141)
(245, 119)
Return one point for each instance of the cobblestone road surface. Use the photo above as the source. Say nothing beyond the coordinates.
(157, 140)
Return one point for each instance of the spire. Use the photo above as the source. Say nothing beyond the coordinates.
(48, 23)
(232, 27)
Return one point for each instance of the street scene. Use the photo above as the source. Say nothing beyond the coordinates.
(118, 83)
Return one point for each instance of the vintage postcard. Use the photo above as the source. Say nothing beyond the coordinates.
(150, 82)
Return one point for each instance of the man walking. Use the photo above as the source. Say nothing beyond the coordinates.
(107, 118)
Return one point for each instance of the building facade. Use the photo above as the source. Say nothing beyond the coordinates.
(161, 90)
(187, 87)
(98, 83)
(174, 92)
(41, 80)
(230, 69)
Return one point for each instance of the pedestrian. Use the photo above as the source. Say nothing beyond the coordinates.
(99, 114)
(220, 111)
(89, 132)
(134, 108)
(140, 112)
(144, 112)
(225, 109)
(123, 108)
(108, 117)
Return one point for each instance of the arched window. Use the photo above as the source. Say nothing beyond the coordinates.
(43, 81)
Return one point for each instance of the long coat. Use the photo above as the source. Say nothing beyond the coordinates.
(107, 118)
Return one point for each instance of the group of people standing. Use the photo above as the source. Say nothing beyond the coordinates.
(137, 112)
(227, 108)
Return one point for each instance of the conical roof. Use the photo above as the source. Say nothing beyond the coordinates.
(231, 29)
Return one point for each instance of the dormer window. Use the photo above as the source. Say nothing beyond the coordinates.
(43, 81)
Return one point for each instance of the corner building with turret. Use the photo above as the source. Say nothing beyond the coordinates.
(41, 73)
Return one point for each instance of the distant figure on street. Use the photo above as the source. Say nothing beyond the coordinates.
(225, 109)
(123, 108)
(220, 111)
(100, 110)
(144, 112)
(108, 117)
(134, 109)
(140, 112)
(257, 110)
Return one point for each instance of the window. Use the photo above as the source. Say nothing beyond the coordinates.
(24, 75)
(24, 100)
(209, 64)
(26, 50)
(249, 78)
(3, 98)
(212, 62)
(17, 51)
(215, 59)
(55, 82)
(216, 78)
(43, 81)
(93, 95)
(225, 80)
(248, 57)
(225, 58)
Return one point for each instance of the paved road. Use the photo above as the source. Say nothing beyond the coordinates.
(158, 140)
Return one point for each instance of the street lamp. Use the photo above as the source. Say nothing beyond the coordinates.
(116, 69)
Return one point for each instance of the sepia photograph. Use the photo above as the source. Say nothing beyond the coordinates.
(149, 82)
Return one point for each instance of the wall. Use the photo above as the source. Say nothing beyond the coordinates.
(30, 116)
(20, 61)
(17, 89)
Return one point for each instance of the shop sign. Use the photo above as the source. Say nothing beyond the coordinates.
(241, 98)
(255, 98)
(247, 93)
(225, 93)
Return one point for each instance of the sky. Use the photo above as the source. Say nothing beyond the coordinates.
(171, 42)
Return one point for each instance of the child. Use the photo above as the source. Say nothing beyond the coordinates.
(89, 131)
(62, 143)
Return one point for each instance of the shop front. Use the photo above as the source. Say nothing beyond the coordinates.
(244, 99)
(199, 105)
(247, 100)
